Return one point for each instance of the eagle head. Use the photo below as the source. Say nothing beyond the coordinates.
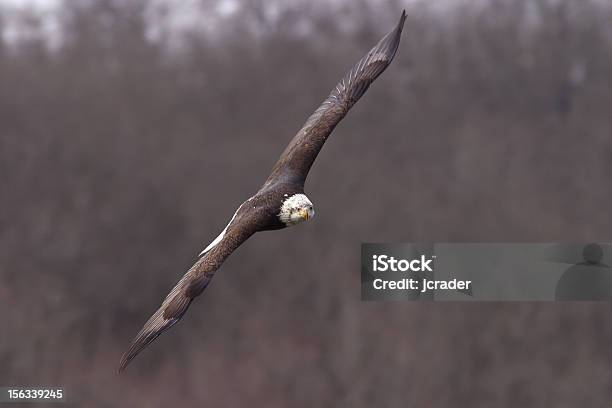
(295, 209)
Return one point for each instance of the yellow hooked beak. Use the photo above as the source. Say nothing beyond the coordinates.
(304, 214)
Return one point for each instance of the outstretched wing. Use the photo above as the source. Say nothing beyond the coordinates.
(191, 285)
(295, 162)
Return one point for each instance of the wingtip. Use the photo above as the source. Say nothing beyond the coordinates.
(129, 355)
(402, 19)
(123, 363)
(135, 348)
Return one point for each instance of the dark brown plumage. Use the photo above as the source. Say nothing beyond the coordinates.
(280, 201)
(295, 162)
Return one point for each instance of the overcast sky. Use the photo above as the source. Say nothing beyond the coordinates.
(36, 3)
(181, 14)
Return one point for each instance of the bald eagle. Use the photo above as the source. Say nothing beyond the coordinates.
(281, 201)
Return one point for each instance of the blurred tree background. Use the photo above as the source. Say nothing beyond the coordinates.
(130, 130)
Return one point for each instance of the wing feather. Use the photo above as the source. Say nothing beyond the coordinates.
(190, 286)
(295, 162)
